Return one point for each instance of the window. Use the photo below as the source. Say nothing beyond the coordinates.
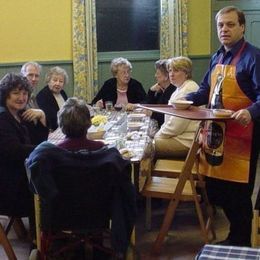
(127, 25)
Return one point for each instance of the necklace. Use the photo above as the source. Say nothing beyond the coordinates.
(121, 90)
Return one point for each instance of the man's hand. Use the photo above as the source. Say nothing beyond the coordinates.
(32, 114)
(242, 116)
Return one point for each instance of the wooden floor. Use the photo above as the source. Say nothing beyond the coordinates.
(182, 243)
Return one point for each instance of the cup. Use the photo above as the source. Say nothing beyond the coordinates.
(97, 109)
(109, 106)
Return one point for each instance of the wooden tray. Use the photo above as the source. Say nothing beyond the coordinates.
(192, 113)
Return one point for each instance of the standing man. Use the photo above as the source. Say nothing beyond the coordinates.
(32, 70)
(229, 151)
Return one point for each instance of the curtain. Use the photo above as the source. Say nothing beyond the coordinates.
(173, 30)
(85, 67)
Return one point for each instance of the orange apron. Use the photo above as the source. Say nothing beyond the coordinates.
(226, 145)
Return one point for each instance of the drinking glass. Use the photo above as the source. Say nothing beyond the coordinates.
(109, 106)
(97, 109)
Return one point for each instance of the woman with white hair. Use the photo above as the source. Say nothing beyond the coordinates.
(52, 97)
(121, 89)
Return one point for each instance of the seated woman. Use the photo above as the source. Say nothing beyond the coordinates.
(176, 135)
(160, 92)
(51, 98)
(20, 131)
(121, 89)
(74, 121)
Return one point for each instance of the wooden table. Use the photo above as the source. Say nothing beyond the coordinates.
(141, 146)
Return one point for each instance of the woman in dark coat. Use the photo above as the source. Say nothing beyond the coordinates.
(20, 131)
(160, 92)
(52, 97)
(121, 89)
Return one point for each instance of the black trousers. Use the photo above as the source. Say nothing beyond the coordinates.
(235, 198)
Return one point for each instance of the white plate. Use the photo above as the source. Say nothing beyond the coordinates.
(134, 125)
(136, 115)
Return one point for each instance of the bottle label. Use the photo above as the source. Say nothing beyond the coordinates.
(214, 142)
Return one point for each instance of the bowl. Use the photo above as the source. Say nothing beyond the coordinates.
(181, 104)
(222, 112)
(93, 135)
(134, 125)
(136, 116)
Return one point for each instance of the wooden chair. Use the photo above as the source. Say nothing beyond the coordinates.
(182, 188)
(6, 244)
(85, 198)
(256, 229)
(19, 229)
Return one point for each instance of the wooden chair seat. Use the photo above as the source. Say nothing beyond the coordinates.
(170, 168)
(163, 187)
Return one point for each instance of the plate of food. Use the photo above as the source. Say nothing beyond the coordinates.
(181, 104)
(222, 112)
(134, 126)
(126, 153)
(136, 116)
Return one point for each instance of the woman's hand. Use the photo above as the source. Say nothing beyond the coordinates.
(156, 88)
(32, 114)
(100, 103)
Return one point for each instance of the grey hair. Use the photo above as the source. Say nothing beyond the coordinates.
(59, 71)
(74, 117)
(162, 65)
(32, 63)
(117, 62)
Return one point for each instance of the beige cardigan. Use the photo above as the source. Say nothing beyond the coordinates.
(182, 130)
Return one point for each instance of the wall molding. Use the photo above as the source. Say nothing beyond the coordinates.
(131, 55)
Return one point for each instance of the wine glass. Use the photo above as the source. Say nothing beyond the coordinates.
(118, 107)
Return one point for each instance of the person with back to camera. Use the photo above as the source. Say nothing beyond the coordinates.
(74, 121)
(19, 135)
(160, 92)
(51, 98)
(176, 134)
(229, 162)
(121, 89)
